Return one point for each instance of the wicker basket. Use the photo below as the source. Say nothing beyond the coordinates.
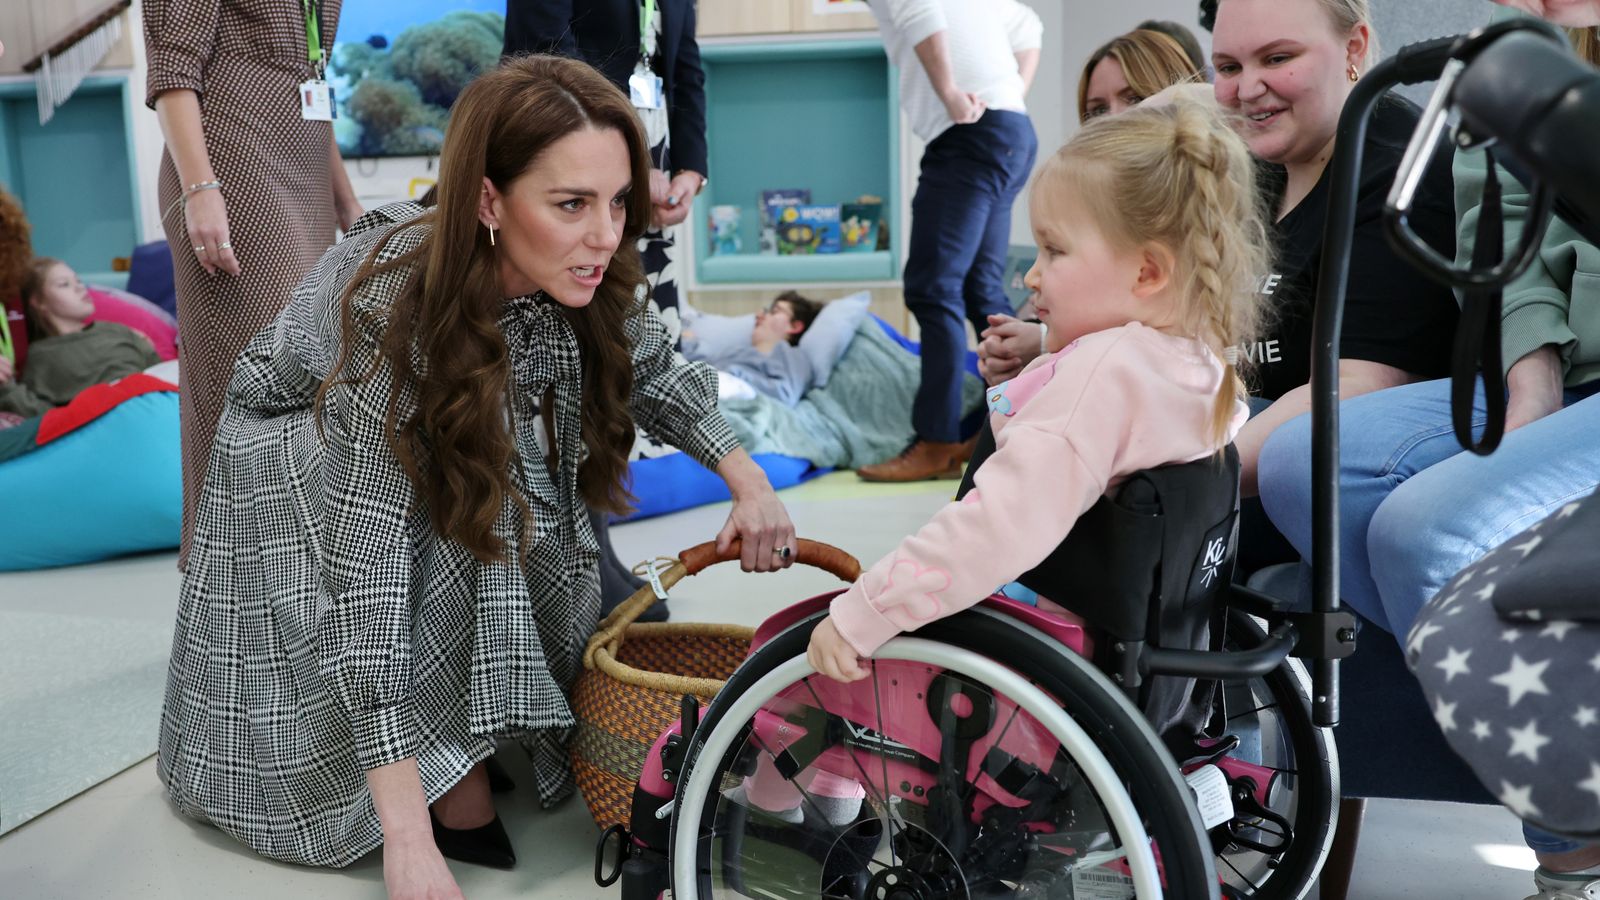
(635, 676)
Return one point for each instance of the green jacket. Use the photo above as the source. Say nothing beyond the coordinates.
(1557, 301)
(59, 367)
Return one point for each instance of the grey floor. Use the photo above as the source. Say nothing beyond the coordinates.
(121, 840)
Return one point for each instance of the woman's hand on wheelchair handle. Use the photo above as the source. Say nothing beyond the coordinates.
(758, 518)
(832, 655)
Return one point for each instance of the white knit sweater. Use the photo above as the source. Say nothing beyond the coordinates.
(982, 38)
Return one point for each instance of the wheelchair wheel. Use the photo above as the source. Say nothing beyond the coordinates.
(1277, 853)
(977, 782)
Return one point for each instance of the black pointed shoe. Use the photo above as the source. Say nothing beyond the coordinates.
(486, 845)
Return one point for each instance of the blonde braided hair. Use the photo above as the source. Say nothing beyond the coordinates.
(1178, 176)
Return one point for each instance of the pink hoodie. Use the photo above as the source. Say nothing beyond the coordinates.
(1067, 430)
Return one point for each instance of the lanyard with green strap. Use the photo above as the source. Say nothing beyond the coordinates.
(313, 17)
(647, 22)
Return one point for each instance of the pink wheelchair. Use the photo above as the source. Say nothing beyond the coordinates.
(1156, 741)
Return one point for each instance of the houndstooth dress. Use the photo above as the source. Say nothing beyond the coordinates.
(324, 628)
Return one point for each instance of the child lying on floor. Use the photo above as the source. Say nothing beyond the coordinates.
(1149, 242)
(771, 362)
(66, 352)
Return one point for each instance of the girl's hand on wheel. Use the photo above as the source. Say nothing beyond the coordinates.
(832, 655)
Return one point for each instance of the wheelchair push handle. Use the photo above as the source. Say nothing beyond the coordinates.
(1500, 63)
(815, 554)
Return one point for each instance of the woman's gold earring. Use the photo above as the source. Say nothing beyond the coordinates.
(1354, 74)
(491, 235)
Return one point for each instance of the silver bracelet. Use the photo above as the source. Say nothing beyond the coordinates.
(212, 185)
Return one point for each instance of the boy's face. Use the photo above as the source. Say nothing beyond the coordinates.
(778, 322)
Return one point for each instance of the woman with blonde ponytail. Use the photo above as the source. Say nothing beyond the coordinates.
(1150, 243)
(393, 567)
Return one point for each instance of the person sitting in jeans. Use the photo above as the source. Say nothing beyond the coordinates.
(1415, 509)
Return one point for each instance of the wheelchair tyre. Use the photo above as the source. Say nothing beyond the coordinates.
(1284, 695)
(1139, 786)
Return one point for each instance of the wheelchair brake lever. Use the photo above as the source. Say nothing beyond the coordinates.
(1245, 806)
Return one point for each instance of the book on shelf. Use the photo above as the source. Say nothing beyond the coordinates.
(808, 229)
(773, 202)
(858, 226)
(724, 230)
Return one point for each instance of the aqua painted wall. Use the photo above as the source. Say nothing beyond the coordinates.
(72, 175)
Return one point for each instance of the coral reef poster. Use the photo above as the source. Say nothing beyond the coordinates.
(398, 65)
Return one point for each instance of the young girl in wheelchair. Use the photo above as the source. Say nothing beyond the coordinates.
(1150, 242)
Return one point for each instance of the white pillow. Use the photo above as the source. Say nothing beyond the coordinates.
(708, 336)
(830, 335)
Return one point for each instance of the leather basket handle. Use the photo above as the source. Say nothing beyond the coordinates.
(818, 555)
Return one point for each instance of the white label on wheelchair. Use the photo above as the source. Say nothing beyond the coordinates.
(1100, 883)
(1211, 795)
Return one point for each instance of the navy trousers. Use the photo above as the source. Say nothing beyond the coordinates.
(960, 231)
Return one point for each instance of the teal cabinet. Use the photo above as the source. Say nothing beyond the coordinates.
(74, 176)
(817, 114)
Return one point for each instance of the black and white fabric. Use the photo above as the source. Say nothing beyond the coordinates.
(1513, 689)
(324, 627)
(658, 246)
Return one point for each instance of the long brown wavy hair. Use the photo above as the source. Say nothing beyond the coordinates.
(456, 446)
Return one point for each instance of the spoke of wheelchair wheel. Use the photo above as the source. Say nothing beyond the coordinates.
(805, 797)
(1247, 880)
(889, 812)
(883, 796)
(1253, 711)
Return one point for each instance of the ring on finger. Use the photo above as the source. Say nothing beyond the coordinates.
(225, 245)
(199, 248)
(783, 552)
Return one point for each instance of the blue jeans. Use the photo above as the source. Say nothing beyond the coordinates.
(1414, 508)
(955, 266)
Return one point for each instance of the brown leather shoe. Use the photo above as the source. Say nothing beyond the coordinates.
(965, 448)
(922, 461)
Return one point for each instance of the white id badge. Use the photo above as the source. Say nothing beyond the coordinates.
(316, 101)
(644, 89)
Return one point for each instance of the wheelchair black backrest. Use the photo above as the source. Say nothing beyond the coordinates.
(1147, 563)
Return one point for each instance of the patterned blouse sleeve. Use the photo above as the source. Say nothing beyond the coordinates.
(674, 399)
(178, 35)
(363, 634)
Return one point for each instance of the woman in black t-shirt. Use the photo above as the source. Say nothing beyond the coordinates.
(1286, 68)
